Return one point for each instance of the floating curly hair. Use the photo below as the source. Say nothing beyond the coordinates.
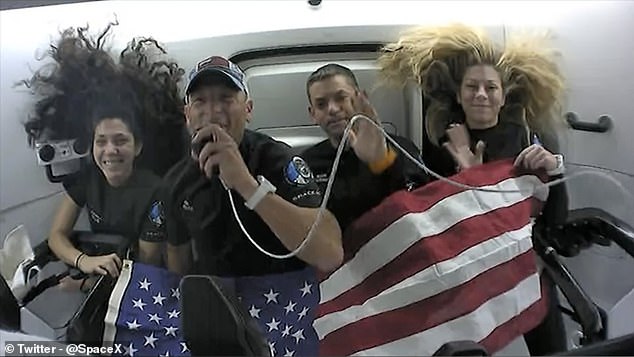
(85, 83)
(437, 57)
(156, 82)
(536, 82)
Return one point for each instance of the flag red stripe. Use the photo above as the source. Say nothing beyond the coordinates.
(518, 325)
(419, 200)
(431, 250)
(397, 324)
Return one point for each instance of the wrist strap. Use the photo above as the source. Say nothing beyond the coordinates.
(263, 189)
(560, 169)
(381, 165)
(77, 260)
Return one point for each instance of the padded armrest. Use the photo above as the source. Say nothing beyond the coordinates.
(86, 241)
(587, 313)
(610, 227)
(585, 227)
(98, 243)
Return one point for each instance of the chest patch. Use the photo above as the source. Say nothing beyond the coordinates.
(297, 172)
(157, 215)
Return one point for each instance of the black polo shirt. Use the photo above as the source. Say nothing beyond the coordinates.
(134, 210)
(356, 189)
(199, 209)
(505, 140)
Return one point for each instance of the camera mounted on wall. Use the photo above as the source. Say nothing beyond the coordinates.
(61, 158)
(314, 3)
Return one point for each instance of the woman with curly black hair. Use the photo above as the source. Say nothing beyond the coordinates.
(131, 112)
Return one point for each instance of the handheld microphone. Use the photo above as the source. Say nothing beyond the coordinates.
(197, 147)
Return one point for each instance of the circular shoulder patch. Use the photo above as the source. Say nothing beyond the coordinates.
(156, 213)
(297, 172)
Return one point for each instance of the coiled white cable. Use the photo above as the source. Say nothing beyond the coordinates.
(421, 165)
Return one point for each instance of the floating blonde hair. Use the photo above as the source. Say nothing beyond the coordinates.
(437, 57)
(530, 67)
(418, 48)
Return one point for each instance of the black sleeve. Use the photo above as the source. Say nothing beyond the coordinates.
(76, 187)
(293, 178)
(555, 211)
(153, 225)
(438, 159)
(175, 227)
(404, 173)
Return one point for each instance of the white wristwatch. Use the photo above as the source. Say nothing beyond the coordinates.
(559, 170)
(264, 188)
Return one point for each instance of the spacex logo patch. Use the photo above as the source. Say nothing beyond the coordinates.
(156, 213)
(297, 172)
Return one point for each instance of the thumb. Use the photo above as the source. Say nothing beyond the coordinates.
(479, 150)
(352, 138)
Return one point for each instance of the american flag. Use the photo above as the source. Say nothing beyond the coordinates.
(144, 314)
(284, 305)
(435, 265)
(143, 318)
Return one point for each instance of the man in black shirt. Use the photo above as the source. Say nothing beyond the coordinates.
(277, 214)
(370, 168)
(274, 195)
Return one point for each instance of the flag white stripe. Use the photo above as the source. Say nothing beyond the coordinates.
(434, 280)
(389, 243)
(474, 326)
(114, 303)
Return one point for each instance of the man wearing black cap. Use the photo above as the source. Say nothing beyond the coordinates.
(274, 195)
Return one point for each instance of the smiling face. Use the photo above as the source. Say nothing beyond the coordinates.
(217, 101)
(331, 104)
(114, 150)
(481, 96)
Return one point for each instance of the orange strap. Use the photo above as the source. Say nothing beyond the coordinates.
(381, 165)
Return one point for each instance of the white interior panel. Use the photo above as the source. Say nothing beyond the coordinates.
(279, 94)
(596, 59)
(597, 53)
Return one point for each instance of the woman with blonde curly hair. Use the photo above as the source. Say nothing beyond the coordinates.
(484, 103)
(512, 93)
